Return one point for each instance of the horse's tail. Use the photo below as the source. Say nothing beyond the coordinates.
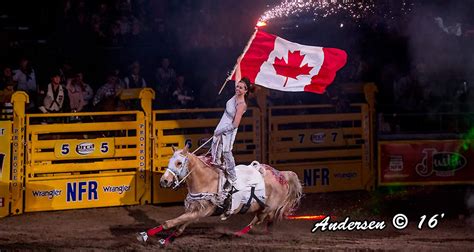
(292, 200)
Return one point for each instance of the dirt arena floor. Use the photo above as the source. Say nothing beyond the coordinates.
(114, 228)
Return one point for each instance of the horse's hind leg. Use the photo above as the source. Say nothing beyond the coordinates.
(269, 226)
(247, 228)
(270, 222)
(256, 220)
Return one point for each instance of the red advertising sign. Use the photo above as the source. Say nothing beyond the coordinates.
(425, 162)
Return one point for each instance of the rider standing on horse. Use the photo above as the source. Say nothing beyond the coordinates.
(226, 130)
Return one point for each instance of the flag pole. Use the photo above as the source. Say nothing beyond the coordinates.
(238, 60)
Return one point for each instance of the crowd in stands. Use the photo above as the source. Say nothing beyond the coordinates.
(67, 90)
(109, 45)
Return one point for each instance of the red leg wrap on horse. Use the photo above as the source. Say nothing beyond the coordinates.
(167, 240)
(243, 231)
(155, 230)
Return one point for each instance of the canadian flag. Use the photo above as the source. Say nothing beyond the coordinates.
(276, 63)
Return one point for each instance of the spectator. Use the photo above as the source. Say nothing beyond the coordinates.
(106, 96)
(115, 37)
(407, 94)
(55, 98)
(79, 93)
(6, 79)
(65, 71)
(99, 35)
(6, 95)
(209, 91)
(183, 96)
(412, 90)
(165, 75)
(26, 78)
(118, 74)
(134, 79)
(124, 25)
(136, 37)
(7, 86)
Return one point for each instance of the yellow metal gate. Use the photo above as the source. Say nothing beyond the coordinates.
(329, 151)
(76, 160)
(87, 164)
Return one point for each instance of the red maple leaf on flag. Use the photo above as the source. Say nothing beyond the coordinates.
(291, 69)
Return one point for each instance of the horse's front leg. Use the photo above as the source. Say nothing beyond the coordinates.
(183, 223)
(183, 220)
(186, 217)
(178, 232)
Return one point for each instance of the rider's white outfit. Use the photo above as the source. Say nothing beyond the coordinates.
(224, 137)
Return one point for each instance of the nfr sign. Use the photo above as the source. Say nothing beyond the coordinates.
(314, 177)
(76, 191)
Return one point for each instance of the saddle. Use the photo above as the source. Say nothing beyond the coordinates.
(248, 188)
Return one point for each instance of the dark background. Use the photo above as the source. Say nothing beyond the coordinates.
(204, 38)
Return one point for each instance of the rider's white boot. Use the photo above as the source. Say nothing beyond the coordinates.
(227, 190)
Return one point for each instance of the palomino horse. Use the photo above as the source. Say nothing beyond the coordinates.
(283, 192)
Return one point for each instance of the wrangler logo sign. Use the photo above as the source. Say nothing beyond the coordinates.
(48, 194)
(116, 189)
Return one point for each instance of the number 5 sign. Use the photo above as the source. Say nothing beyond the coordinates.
(87, 148)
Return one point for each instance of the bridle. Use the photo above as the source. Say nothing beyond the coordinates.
(183, 172)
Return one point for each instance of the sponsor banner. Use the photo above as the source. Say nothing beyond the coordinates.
(328, 177)
(80, 193)
(425, 162)
(86, 148)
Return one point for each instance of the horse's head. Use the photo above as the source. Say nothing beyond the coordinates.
(177, 168)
